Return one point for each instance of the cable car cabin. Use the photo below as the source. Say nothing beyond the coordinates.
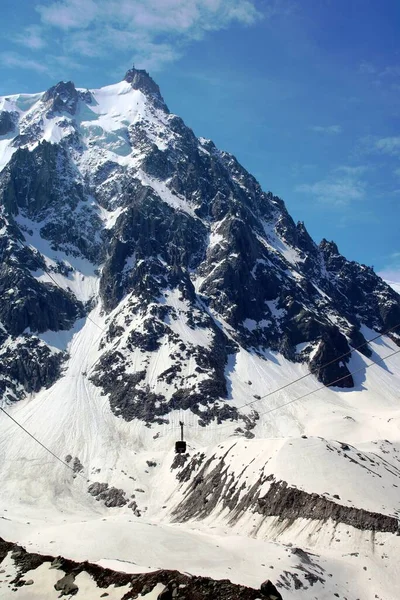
(180, 447)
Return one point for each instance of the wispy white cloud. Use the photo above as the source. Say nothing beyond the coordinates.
(367, 68)
(68, 14)
(15, 60)
(386, 78)
(32, 37)
(352, 171)
(343, 186)
(49, 66)
(155, 31)
(388, 145)
(391, 71)
(388, 71)
(329, 129)
(338, 192)
(350, 218)
(152, 15)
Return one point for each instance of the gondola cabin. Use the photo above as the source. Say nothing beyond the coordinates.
(180, 445)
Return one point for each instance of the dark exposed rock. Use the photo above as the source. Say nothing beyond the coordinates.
(141, 80)
(66, 585)
(165, 594)
(28, 303)
(77, 465)
(97, 488)
(213, 486)
(111, 496)
(328, 370)
(359, 290)
(269, 591)
(357, 340)
(127, 399)
(185, 474)
(135, 509)
(182, 586)
(291, 503)
(37, 179)
(7, 122)
(153, 229)
(61, 97)
(179, 460)
(26, 367)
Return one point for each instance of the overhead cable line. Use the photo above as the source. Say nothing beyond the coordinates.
(256, 400)
(322, 387)
(372, 364)
(290, 383)
(41, 444)
(208, 429)
(311, 372)
(54, 280)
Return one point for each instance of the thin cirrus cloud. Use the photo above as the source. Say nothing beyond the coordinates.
(13, 60)
(328, 129)
(155, 15)
(32, 38)
(388, 145)
(154, 31)
(367, 68)
(344, 185)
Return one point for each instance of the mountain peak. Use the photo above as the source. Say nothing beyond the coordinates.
(329, 247)
(62, 97)
(141, 80)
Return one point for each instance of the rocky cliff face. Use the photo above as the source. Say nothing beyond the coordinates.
(191, 260)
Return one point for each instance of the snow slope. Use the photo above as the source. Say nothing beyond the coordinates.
(119, 496)
(46, 509)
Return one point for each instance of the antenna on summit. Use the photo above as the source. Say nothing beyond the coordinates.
(180, 446)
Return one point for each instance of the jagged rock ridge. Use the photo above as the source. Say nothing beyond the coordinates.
(193, 260)
(71, 577)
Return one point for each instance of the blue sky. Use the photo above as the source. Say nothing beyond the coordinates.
(304, 92)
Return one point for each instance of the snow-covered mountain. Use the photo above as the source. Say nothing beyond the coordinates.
(147, 279)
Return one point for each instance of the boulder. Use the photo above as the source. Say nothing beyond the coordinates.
(269, 591)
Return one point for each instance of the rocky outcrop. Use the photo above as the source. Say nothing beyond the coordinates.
(37, 180)
(141, 80)
(111, 496)
(333, 372)
(291, 503)
(29, 304)
(359, 290)
(27, 366)
(269, 591)
(62, 97)
(128, 398)
(171, 584)
(165, 242)
(211, 485)
(7, 122)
